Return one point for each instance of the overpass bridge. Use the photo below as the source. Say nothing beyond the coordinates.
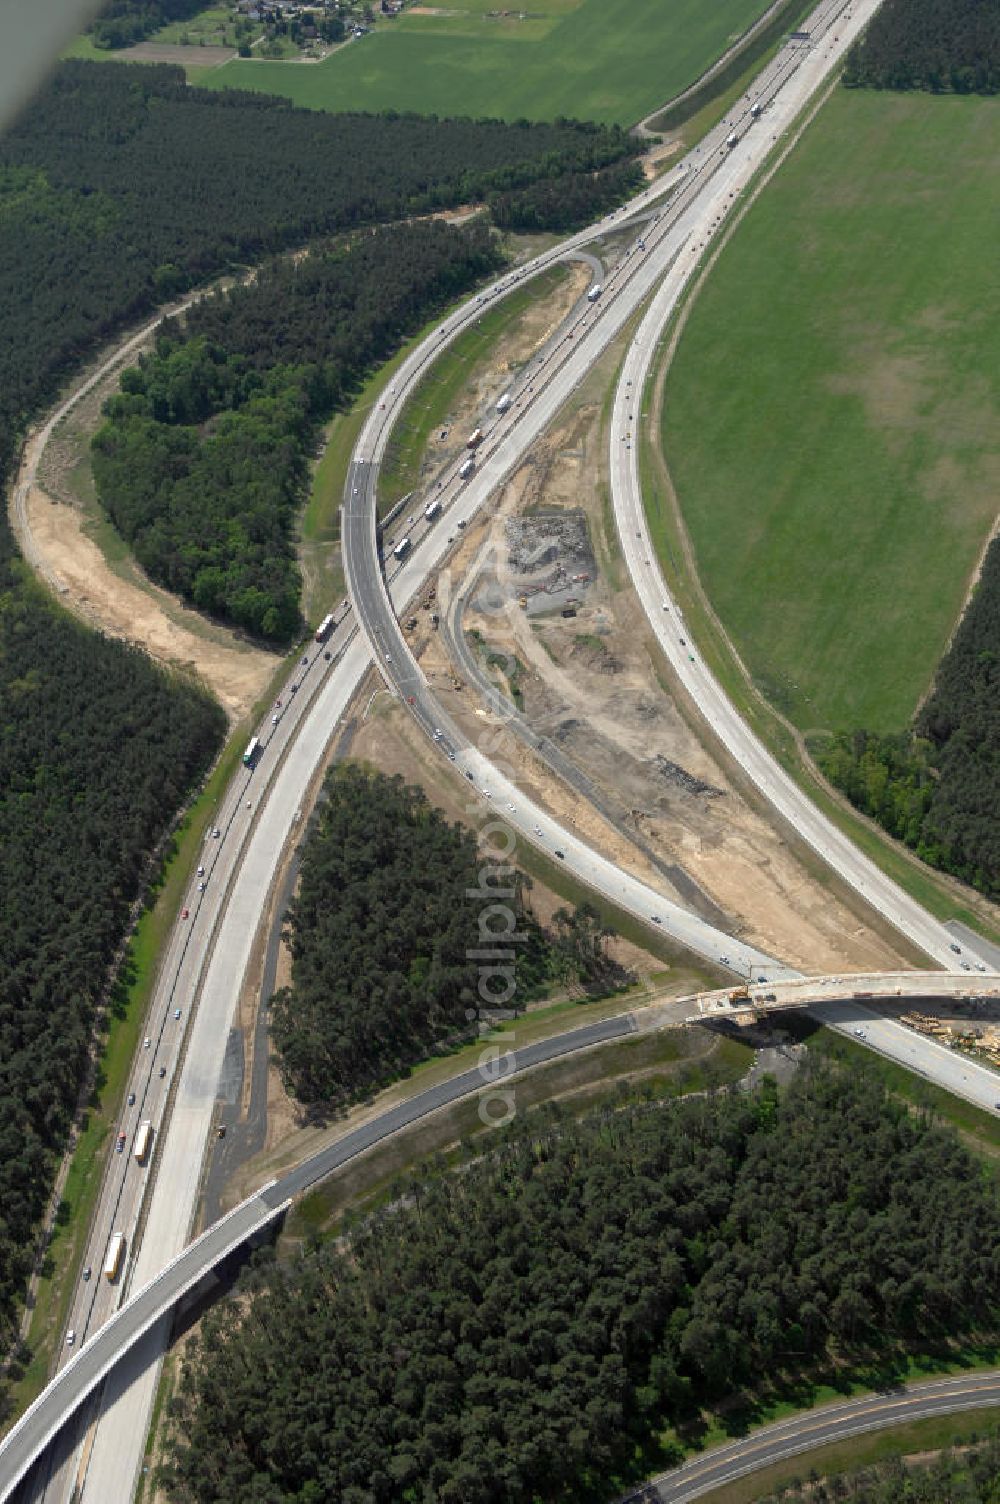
(824, 997)
(755, 999)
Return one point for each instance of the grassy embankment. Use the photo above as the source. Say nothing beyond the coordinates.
(432, 403)
(323, 573)
(826, 423)
(665, 1064)
(129, 1003)
(604, 60)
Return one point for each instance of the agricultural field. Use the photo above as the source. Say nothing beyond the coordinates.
(607, 60)
(831, 414)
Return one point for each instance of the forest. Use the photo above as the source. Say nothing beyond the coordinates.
(98, 749)
(121, 23)
(119, 188)
(943, 46)
(567, 203)
(967, 1476)
(203, 461)
(384, 931)
(525, 1330)
(938, 787)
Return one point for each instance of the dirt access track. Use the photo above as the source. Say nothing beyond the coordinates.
(547, 594)
(56, 520)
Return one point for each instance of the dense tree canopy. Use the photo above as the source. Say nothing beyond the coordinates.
(121, 187)
(521, 1330)
(204, 460)
(938, 789)
(120, 23)
(940, 45)
(386, 939)
(97, 750)
(566, 203)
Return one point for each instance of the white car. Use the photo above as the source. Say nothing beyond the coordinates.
(146, 1042)
(70, 1337)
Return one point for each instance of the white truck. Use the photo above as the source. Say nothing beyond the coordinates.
(732, 139)
(505, 401)
(402, 548)
(432, 509)
(467, 469)
(594, 293)
(143, 1139)
(113, 1260)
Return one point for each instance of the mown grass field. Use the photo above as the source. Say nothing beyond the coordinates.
(604, 60)
(831, 415)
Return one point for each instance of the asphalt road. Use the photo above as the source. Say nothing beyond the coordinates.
(815, 1428)
(684, 887)
(775, 784)
(206, 961)
(495, 798)
(144, 1312)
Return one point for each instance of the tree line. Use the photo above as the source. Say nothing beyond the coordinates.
(943, 46)
(567, 203)
(937, 786)
(120, 187)
(97, 750)
(384, 933)
(122, 23)
(966, 1475)
(203, 462)
(525, 1330)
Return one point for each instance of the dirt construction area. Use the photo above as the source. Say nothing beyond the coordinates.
(61, 531)
(550, 615)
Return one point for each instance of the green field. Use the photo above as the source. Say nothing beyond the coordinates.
(831, 414)
(605, 60)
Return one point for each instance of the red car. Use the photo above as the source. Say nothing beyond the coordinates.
(185, 913)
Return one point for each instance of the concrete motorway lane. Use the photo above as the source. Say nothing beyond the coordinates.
(200, 974)
(778, 788)
(815, 1428)
(132, 1342)
(538, 393)
(205, 964)
(663, 257)
(515, 812)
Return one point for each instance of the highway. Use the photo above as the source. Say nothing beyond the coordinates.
(815, 1428)
(515, 812)
(673, 635)
(202, 972)
(142, 1318)
(114, 1340)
